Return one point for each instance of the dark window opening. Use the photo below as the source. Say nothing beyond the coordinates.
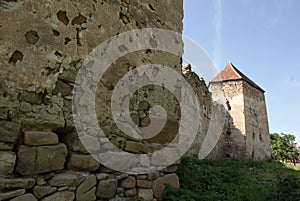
(228, 105)
(260, 137)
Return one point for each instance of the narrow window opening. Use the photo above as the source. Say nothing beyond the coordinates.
(228, 105)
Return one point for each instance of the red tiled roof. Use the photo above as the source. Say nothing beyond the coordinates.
(231, 73)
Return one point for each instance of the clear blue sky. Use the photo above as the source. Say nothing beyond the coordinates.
(262, 39)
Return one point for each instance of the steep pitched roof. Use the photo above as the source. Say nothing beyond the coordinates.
(231, 73)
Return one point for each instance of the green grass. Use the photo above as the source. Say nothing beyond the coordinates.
(297, 168)
(236, 180)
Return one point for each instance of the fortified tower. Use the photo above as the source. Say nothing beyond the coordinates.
(246, 130)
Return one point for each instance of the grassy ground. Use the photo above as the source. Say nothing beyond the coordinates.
(291, 166)
(236, 180)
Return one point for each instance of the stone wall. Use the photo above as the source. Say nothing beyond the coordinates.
(258, 138)
(232, 140)
(42, 47)
(205, 103)
(245, 133)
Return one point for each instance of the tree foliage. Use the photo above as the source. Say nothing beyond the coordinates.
(284, 146)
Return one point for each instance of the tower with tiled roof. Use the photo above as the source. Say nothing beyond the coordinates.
(246, 130)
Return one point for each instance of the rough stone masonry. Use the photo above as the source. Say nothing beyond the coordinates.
(42, 46)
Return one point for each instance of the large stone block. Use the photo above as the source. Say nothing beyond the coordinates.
(129, 161)
(11, 194)
(159, 158)
(65, 179)
(5, 146)
(62, 88)
(146, 194)
(42, 120)
(30, 97)
(129, 182)
(60, 196)
(42, 159)
(89, 195)
(107, 188)
(159, 184)
(167, 134)
(131, 192)
(7, 184)
(68, 75)
(80, 145)
(26, 197)
(73, 142)
(144, 183)
(25, 107)
(7, 162)
(136, 147)
(9, 131)
(153, 175)
(81, 162)
(42, 191)
(37, 138)
(87, 190)
(102, 176)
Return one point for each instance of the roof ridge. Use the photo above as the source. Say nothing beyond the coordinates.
(235, 70)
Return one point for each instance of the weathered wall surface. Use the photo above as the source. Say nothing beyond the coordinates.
(258, 138)
(236, 130)
(205, 102)
(245, 133)
(232, 140)
(42, 46)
